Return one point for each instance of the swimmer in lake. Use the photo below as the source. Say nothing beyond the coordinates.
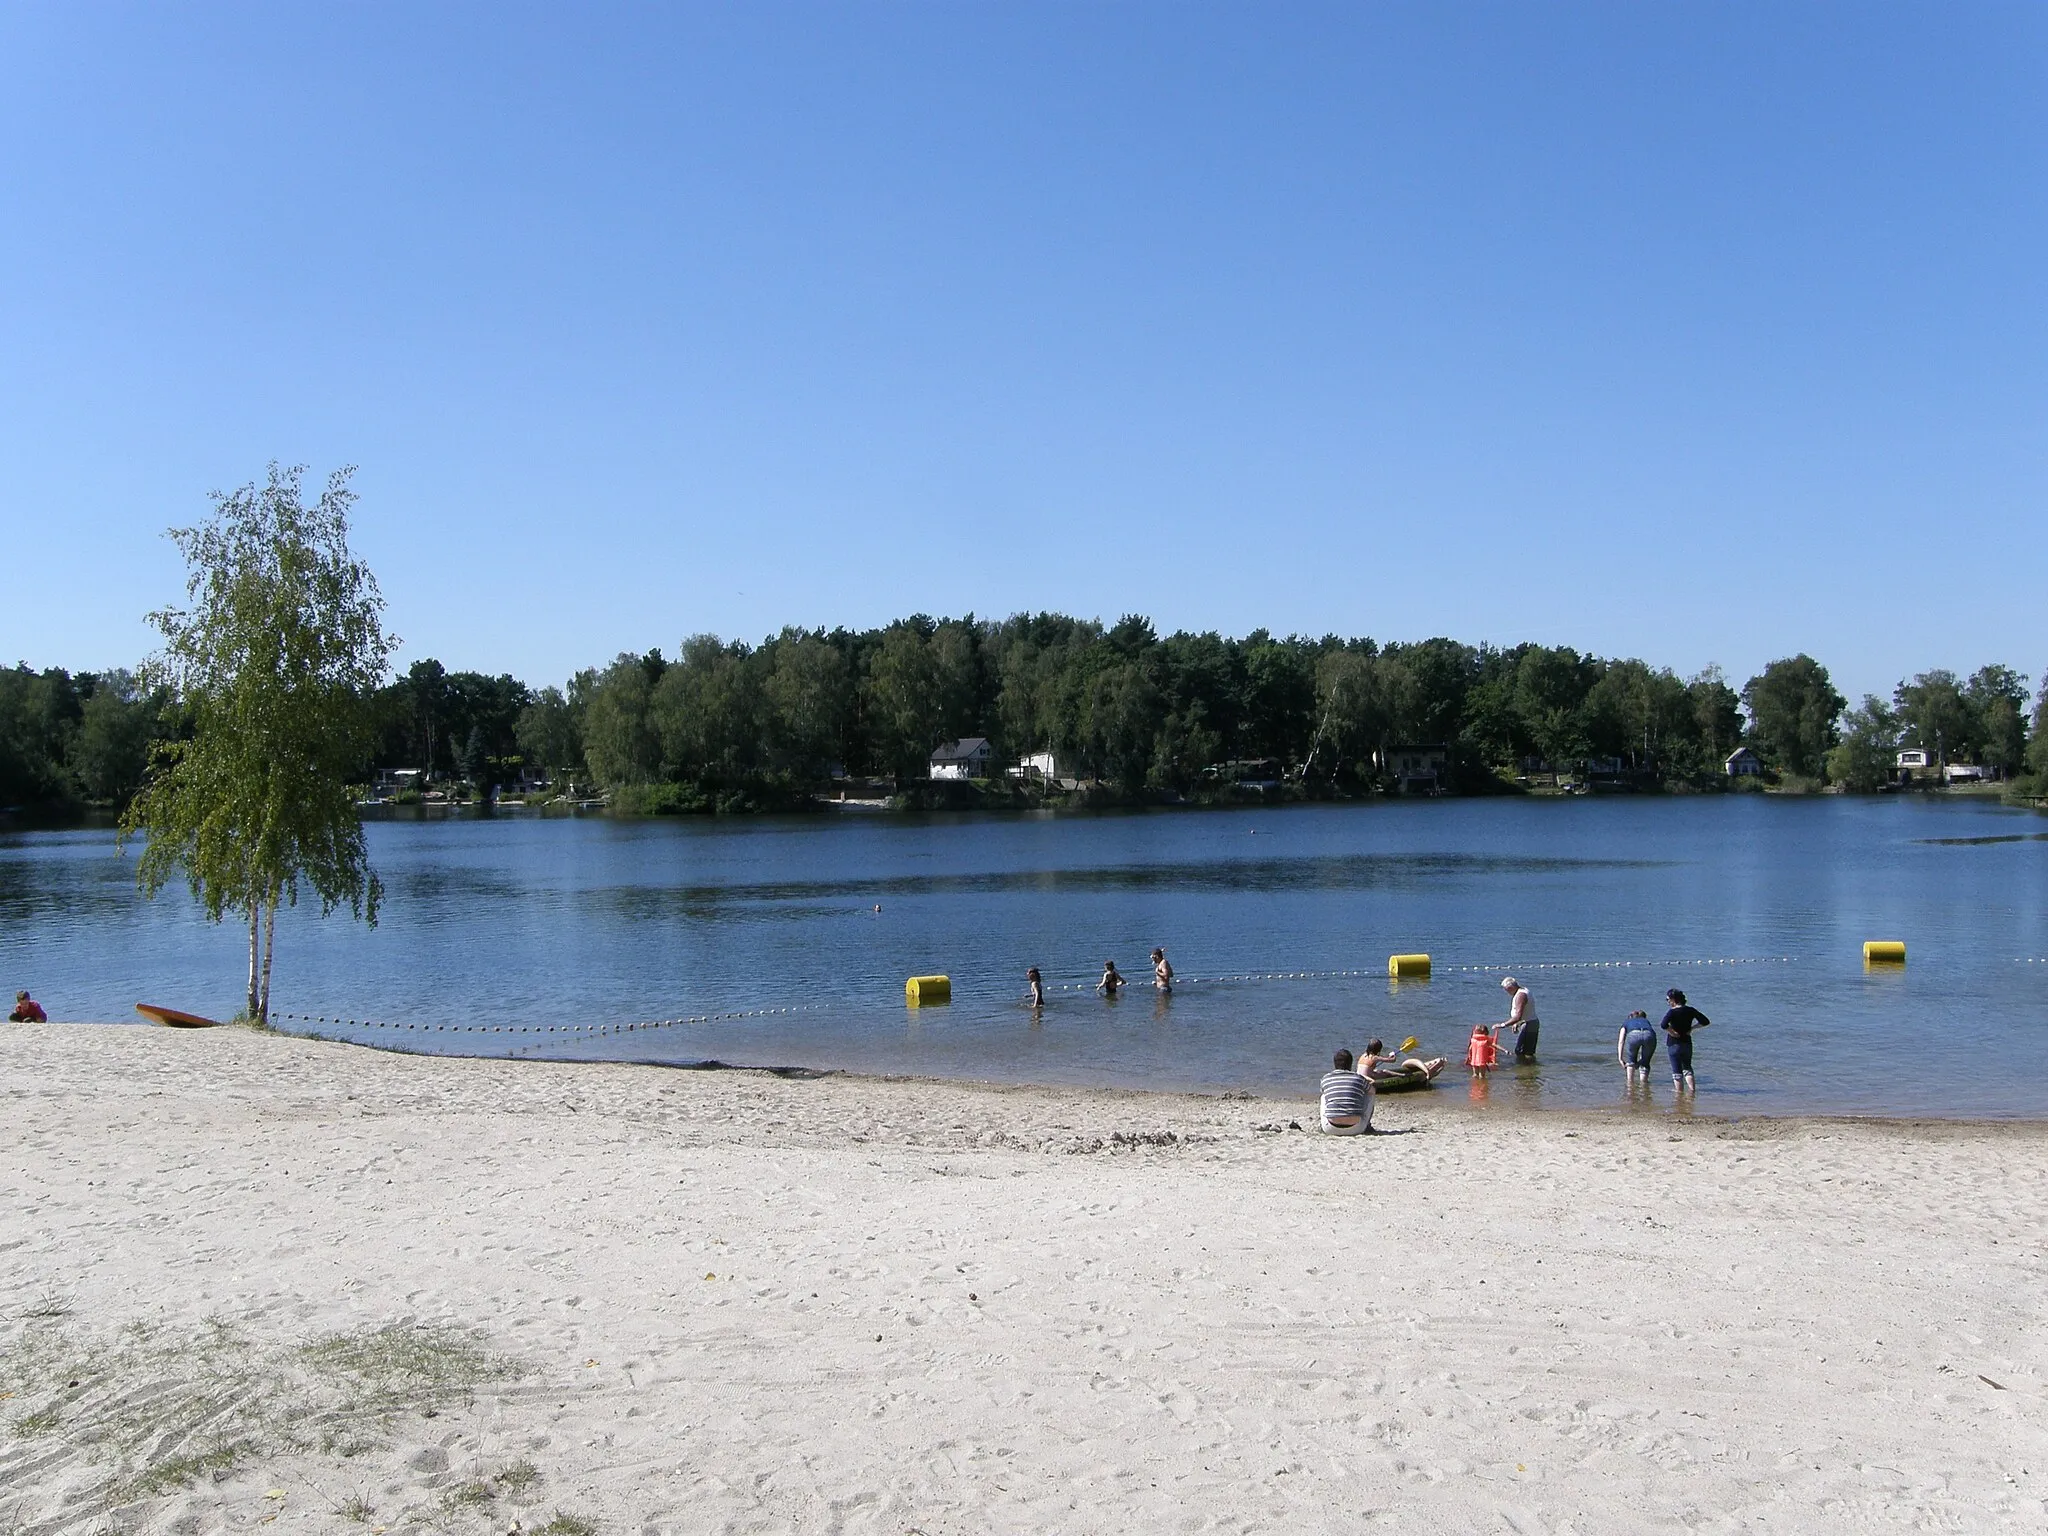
(1111, 983)
(1162, 971)
(1037, 986)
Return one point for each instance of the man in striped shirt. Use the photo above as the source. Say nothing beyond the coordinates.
(1347, 1100)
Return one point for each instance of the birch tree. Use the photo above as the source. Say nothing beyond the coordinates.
(276, 653)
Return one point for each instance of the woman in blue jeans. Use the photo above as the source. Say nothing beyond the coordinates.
(1636, 1047)
(1679, 1021)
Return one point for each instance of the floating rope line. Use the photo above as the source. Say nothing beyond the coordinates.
(580, 1031)
(1616, 965)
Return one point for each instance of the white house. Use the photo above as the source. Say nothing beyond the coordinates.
(1743, 764)
(1916, 757)
(966, 758)
(1041, 766)
(1966, 773)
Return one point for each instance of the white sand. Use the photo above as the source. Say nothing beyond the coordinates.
(946, 1309)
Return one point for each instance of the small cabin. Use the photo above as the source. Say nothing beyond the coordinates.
(1417, 769)
(1040, 768)
(1743, 763)
(1966, 773)
(1911, 758)
(966, 758)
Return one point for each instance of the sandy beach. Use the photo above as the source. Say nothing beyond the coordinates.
(252, 1281)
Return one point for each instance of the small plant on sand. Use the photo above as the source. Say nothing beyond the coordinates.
(175, 1472)
(518, 1477)
(473, 1494)
(357, 1511)
(47, 1307)
(41, 1422)
(406, 1365)
(562, 1523)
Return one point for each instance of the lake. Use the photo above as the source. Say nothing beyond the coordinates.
(799, 933)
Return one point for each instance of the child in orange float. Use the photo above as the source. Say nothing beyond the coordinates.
(1484, 1049)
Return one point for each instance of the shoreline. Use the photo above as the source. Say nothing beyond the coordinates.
(1442, 1099)
(248, 1277)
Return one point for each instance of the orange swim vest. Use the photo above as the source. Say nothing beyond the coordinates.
(1483, 1051)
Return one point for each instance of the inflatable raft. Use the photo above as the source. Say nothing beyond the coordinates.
(1411, 1074)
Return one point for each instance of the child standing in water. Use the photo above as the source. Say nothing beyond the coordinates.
(1112, 980)
(1037, 986)
(1484, 1048)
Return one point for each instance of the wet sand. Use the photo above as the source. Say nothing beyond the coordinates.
(311, 1287)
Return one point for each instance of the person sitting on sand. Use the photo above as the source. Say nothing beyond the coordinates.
(1347, 1099)
(1678, 1024)
(1637, 1044)
(27, 1011)
(1037, 986)
(1111, 983)
(1521, 1019)
(1162, 971)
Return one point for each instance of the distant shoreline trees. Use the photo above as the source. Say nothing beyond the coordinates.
(732, 725)
(727, 724)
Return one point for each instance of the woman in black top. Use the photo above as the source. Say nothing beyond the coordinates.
(1680, 1020)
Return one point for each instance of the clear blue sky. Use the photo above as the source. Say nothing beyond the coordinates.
(1698, 332)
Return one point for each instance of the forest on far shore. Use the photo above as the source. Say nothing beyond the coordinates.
(730, 725)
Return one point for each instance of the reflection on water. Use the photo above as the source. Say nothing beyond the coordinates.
(524, 935)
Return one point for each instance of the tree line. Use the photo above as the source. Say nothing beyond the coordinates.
(727, 723)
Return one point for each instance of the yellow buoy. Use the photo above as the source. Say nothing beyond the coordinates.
(1408, 967)
(928, 989)
(1884, 952)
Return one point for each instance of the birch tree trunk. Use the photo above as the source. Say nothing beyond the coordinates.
(269, 947)
(252, 957)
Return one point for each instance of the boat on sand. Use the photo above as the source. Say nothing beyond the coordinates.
(174, 1017)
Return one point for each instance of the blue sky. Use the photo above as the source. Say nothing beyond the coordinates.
(1706, 333)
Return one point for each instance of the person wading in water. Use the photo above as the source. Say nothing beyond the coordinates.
(1521, 1020)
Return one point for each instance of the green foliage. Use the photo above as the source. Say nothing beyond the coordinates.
(1936, 716)
(549, 733)
(68, 739)
(276, 658)
(619, 738)
(1793, 708)
(730, 726)
(1996, 697)
(1867, 755)
(1140, 714)
(2037, 743)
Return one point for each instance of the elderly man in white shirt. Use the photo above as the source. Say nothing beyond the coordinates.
(1521, 1020)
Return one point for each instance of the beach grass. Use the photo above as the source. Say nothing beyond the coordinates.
(146, 1411)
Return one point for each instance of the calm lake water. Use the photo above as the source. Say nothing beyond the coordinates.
(1756, 906)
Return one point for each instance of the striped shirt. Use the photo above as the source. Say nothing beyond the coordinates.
(1346, 1096)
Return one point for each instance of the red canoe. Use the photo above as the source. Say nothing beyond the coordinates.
(174, 1018)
